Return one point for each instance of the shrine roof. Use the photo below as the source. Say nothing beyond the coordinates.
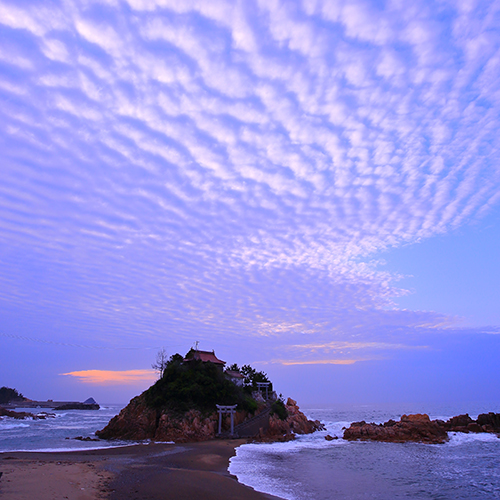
(205, 356)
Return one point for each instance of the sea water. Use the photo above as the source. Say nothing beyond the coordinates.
(57, 432)
(466, 467)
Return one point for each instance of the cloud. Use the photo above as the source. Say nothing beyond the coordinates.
(110, 377)
(338, 346)
(214, 169)
(320, 362)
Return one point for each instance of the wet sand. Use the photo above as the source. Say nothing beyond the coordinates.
(141, 472)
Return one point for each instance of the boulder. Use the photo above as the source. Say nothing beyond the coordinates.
(458, 423)
(474, 427)
(418, 418)
(490, 421)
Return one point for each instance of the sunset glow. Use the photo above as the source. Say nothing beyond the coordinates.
(107, 377)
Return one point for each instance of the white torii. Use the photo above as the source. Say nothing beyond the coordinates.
(226, 409)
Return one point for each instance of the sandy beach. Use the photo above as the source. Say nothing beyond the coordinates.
(153, 471)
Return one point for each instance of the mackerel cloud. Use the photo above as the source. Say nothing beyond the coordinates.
(229, 167)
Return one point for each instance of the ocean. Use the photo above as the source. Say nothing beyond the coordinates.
(51, 434)
(467, 467)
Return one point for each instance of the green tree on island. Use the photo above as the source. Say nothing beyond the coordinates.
(7, 394)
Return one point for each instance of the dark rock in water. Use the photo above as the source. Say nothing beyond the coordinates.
(90, 401)
(87, 438)
(79, 406)
(330, 438)
(458, 423)
(20, 415)
(486, 422)
(411, 428)
(490, 420)
(419, 428)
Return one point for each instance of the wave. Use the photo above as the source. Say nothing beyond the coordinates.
(77, 448)
(461, 438)
(247, 466)
(66, 427)
(11, 425)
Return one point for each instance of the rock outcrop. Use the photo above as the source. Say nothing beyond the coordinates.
(285, 430)
(20, 415)
(486, 422)
(489, 422)
(135, 422)
(416, 428)
(420, 428)
(139, 422)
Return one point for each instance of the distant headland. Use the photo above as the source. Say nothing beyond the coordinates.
(10, 399)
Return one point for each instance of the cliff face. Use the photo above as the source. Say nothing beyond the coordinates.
(137, 422)
(295, 423)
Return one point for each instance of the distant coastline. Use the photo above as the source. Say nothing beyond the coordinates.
(89, 404)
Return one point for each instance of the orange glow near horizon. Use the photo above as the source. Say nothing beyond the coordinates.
(112, 377)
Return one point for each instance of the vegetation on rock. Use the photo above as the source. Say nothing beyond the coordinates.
(161, 362)
(7, 394)
(278, 408)
(195, 385)
(252, 376)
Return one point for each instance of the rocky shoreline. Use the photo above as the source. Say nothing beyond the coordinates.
(420, 428)
(21, 415)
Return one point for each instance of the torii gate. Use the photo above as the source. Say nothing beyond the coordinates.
(226, 409)
(262, 385)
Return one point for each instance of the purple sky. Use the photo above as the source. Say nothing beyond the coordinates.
(312, 187)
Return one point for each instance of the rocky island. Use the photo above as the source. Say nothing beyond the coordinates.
(420, 428)
(182, 405)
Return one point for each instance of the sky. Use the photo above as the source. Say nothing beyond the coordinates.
(310, 187)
